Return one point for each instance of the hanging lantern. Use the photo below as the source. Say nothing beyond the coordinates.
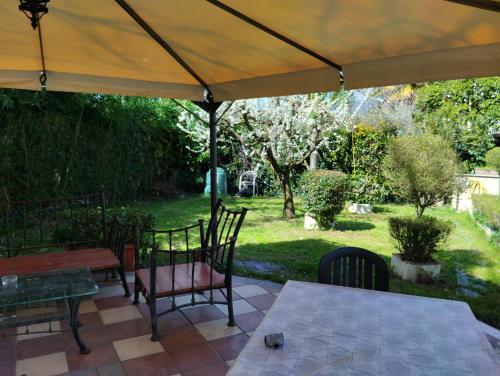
(34, 10)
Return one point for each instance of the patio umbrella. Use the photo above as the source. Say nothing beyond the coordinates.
(210, 51)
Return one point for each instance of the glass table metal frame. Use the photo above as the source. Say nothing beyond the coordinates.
(44, 297)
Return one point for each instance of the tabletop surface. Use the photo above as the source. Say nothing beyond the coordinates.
(333, 330)
(48, 286)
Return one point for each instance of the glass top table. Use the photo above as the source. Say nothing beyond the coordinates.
(47, 296)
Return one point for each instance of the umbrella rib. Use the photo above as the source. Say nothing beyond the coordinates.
(274, 33)
(493, 6)
(153, 34)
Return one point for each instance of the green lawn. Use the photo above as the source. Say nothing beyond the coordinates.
(284, 250)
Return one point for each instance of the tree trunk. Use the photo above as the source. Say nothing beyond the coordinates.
(288, 207)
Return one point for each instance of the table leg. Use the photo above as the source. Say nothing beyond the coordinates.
(74, 305)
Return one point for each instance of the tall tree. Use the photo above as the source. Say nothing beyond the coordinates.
(283, 131)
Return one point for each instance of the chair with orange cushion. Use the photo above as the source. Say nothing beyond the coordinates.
(183, 261)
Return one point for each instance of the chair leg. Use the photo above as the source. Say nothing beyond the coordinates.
(230, 312)
(121, 271)
(154, 320)
(136, 291)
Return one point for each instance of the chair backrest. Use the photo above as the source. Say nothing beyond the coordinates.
(249, 177)
(226, 225)
(354, 267)
(117, 238)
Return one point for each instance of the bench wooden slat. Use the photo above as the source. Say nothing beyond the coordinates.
(93, 258)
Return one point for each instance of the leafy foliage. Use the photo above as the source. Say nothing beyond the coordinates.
(282, 131)
(324, 195)
(422, 169)
(488, 207)
(65, 144)
(464, 112)
(493, 158)
(418, 239)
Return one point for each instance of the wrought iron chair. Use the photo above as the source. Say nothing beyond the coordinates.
(116, 239)
(192, 268)
(354, 267)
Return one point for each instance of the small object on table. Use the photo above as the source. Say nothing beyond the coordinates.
(9, 280)
(274, 341)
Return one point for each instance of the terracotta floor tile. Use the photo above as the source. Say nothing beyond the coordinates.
(203, 313)
(180, 337)
(229, 347)
(109, 290)
(128, 329)
(85, 372)
(151, 365)
(216, 329)
(262, 302)
(45, 365)
(92, 336)
(194, 357)
(172, 320)
(8, 356)
(32, 348)
(136, 347)
(248, 322)
(100, 354)
(119, 314)
(112, 302)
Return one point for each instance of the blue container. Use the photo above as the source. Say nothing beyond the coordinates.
(221, 182)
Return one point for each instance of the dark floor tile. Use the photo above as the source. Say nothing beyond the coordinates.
(271, 286)
(214, 370)
(194, 357)
(151, 365)
(85, 372)
(181, 337)
(203, 313)
(99, 355)
(172, 320)
(262, 302)
(87, 320)
(30, 348)
(218, 296)
(248, 322)
(112, 369)
(127, 329)
(90, 336)
(112, 302)
(8, 356)
(229, 347)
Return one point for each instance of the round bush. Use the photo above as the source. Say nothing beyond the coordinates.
(324, 194)
(418, 239)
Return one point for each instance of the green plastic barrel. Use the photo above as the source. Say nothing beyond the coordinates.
(221, 182)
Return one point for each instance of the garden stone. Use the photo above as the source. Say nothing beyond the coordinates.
(360, 208)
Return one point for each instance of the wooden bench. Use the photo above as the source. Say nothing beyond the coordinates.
(29, 229)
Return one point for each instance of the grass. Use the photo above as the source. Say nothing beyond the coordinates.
(272, 248)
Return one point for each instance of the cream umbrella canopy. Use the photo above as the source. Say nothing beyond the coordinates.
(211, 51)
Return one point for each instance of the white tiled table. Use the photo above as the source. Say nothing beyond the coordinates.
(332, 330)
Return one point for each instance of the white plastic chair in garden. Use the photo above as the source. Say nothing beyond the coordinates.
(248, 179)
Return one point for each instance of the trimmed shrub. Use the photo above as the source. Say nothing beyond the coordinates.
(422, 169)
(487, 210)
(418, 239)
(324, 195)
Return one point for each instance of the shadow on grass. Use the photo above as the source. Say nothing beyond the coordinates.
(346, 225)
(295, 259)
(381, 209)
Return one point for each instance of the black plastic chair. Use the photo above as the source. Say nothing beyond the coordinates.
(354, 267)
(187, 268)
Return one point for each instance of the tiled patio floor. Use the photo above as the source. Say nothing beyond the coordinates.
(196, 341)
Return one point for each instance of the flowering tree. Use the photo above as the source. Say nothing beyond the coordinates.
(285, 131)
